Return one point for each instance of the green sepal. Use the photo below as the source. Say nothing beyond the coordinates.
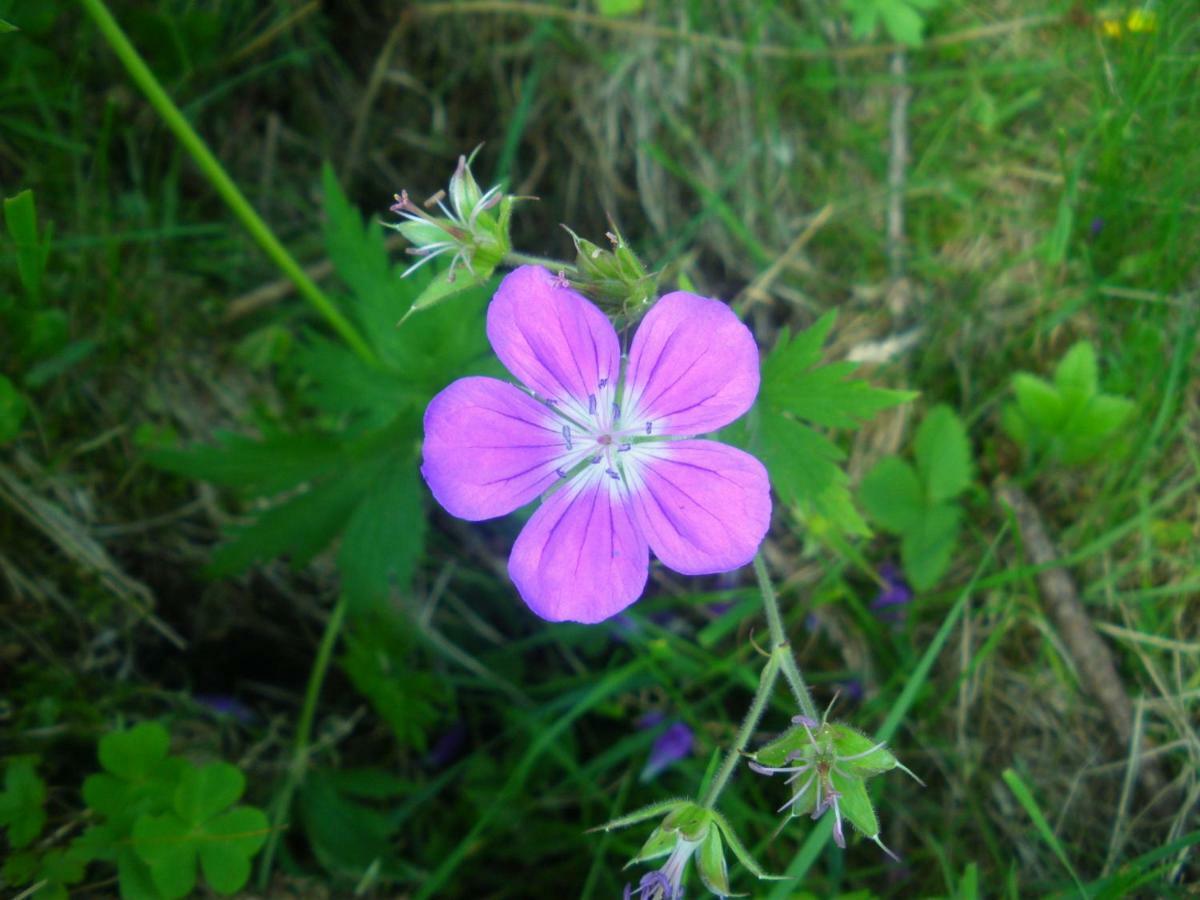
(779, 751)
(710, 864)
(690, 820)
(660, 843)
(739, 850)
(443, 286)
(872, 758)
(420, 234)
(641, 815)
(854, 803)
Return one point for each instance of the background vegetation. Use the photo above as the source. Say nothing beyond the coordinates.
(1011, 181)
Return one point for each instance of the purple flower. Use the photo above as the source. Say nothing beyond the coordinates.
(672, 745)
(616, 445)
(894, 592)
(665, 883)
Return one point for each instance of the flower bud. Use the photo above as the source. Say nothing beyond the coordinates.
(473, 232)
(828, 765)
(615, 279)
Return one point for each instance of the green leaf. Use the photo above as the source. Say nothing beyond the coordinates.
(298, 528)
(902, 22)
(359, 256)
(615, 9)
(136, 753)
(385, 536)
(802, 463)
(826, 395)
(168, 846)
(12, 410)
(137, 883)
(276, 463)
(1075, 377)
(233, 839)
(892, 495)
(223, 842)
(206, 790)
(1038, 402)
(20, 216)
(926, 548)
(22, 805)
(379, 662)
(346, 837)
(943, 454)
(1104, 415)
(6, 26)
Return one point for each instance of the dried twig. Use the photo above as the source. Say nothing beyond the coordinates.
(897, 176)
(1090, 655)
(73, 540)
(274, 291)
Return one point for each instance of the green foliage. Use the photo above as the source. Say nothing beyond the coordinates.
(1070, 421)
(918, 504)
(903, 20)
(201, 825)
(34, 338)
(798, 393)
(155, 817)
(22, 803)
(349, 837)
(615, 9)
(379, 660)
(353, 482)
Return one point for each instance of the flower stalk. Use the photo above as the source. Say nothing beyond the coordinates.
(791, 672)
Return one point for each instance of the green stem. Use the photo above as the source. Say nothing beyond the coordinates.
(212, 169)
(779, 641)
(299, 763)
(766, 681)
(516, 258)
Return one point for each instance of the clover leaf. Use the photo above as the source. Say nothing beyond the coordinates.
(918, 504)
(1071, 420)
(201, 828)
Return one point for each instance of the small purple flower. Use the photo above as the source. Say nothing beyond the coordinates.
(615, 443)
(665, 883)
(224, 705)
(894, 593)
(672, 745)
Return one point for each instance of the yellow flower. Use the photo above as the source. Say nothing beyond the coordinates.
(1141, 21)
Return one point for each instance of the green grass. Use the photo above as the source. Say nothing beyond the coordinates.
(1049, 198)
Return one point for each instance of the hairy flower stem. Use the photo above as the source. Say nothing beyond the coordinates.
(220, 180)
(299, 762)
(766, 681)
(779, 641)
(781, 658)
(515, 258)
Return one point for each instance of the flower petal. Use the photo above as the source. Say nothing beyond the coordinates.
(581, 558)
(703, 506)
(489, 448)
(693, 367)
(552, 339)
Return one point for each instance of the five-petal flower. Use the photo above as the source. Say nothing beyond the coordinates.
(617, 446)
